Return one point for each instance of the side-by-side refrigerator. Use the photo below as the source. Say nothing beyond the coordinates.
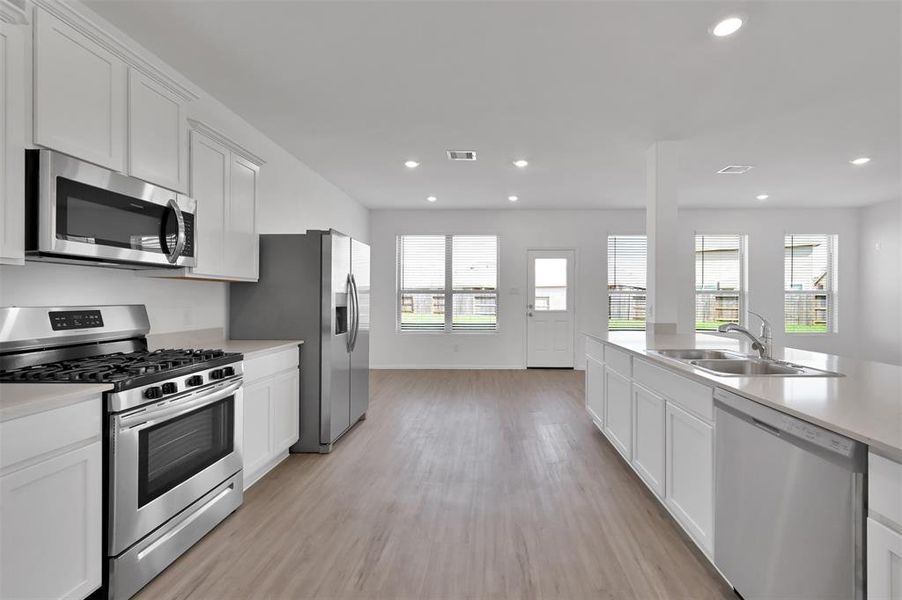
(314, 287)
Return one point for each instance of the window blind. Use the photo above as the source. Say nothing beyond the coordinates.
(474, 278)
(719, 278)
(626, 282)
(421, 282)
(809, 283)
(447, 282)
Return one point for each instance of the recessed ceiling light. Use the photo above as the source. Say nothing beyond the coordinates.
(411, 164)
(728, 26)
(513, 198)
(860, 161)
(521, 163)
(431, 198)
(762, 197)
(735, 170)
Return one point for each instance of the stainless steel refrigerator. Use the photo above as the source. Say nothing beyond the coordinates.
(314, 287)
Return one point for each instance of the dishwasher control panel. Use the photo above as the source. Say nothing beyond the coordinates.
(784, 425)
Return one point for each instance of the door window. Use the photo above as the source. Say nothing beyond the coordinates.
(551, 284)
(179, 448)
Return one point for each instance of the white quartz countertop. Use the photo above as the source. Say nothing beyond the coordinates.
(865, 404)
(214, 339)
(23, 399)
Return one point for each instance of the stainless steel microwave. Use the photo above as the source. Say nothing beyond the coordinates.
(79, 212)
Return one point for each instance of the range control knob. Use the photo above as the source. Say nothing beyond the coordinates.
(152, 393)
(170, 387)
(217, 374)
(194, 380)
(228, 371)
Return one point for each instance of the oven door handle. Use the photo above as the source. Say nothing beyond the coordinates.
(147, 418)
(181, 236)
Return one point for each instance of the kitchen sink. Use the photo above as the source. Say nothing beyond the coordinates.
(755, 367)
(697, 354)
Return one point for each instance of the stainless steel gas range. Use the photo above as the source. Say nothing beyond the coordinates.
(172, 440)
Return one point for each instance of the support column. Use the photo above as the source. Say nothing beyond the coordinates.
(661, 228)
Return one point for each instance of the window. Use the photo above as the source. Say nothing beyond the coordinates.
(810, 280)
(626, 282)
(437, 272)
(551, 284)
(719, 275)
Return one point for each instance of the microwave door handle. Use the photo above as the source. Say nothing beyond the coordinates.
(180, 236)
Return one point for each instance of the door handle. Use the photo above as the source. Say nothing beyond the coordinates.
(529, 314)
(180, 236)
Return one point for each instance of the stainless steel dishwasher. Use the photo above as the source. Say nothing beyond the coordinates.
(789, 513)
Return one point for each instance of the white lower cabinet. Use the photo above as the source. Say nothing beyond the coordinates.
(618, 411)
(689, 474)
(51, 503)
(884, 557)
(271, 405)
(648, 437)
(595, 390)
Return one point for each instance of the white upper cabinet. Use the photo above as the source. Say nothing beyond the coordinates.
(210, 170)
(241, 250)
(157, 133)
(224, 180)
(12, 144)
(79, 94)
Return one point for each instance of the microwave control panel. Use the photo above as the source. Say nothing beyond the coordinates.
(75, 319)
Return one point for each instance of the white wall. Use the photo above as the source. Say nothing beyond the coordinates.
(880, 272)
(518, 230)
(292, 198)
(173, 305)
(587, 232)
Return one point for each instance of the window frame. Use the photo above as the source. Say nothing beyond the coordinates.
(741, 294)
(448, 292)
(831, 292)
(608, 293)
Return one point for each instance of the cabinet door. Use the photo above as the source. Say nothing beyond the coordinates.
(241, 231)
(257, 426)
(50, 529)
(648, 437)
(884, 562)
(79, 94)
(12, 144)
(157, 134)
(689, 475)
(209, 187)
(285, 406)
(618, 412)
(595, 390)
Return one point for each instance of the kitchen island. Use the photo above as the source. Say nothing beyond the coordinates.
(663, 415)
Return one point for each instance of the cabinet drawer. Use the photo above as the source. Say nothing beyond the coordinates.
(595, 349)
(41, 433)
(692, 396)
(885, 487)
(269, 364)
(617, 360)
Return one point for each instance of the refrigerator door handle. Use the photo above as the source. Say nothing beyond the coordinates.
(356, 312)
(349, 287)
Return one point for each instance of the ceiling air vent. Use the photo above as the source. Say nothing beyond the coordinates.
(735, 170)
(461, 155)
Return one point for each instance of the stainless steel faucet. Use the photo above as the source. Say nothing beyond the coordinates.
(762, 343)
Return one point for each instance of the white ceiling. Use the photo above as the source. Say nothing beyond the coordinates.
(580, 89)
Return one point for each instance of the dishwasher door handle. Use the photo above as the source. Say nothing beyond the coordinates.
(767, 427)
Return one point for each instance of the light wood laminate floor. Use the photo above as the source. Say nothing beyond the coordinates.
(460, 484)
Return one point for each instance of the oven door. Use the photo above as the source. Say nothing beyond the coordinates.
(93, 213)
(167, 455)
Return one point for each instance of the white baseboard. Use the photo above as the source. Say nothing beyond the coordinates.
(448, 367)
